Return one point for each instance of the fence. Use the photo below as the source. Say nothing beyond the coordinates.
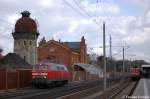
(11, 79)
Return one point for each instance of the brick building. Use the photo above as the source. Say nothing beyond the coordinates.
(66, 53)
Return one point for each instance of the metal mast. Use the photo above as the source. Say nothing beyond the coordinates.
(104, 53)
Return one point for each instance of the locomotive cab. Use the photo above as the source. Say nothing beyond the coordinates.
(40, 75)
(135, 73)
(49, 74)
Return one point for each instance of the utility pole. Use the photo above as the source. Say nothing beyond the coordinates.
(110, 44)
(104, 53)
(123, 69)
(130, 64)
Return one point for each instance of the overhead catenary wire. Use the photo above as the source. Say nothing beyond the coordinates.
(120, 50)
(112, 26)
(96, 8)
(76, 2)
(71, 6)
(85, 15)
(90, 17)
(79, 5)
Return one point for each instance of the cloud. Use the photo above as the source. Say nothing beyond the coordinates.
(46, 3)
(12, 18)
(98, 8)
(57, 19)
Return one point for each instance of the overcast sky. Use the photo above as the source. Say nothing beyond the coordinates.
(127, 21)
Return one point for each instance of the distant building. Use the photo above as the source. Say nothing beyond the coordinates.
(1, 53)
(13, 61)
(86, 72)
(25, 38)
(67, 53)
(1, 56)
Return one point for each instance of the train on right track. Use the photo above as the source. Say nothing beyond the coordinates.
(136, 73)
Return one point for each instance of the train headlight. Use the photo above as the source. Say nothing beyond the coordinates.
(45, 77)
(43, 73)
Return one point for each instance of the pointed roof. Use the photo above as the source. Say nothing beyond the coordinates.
(13, 61)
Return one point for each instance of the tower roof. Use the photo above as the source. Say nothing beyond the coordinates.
(25, 24)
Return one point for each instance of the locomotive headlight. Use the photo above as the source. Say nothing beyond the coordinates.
(45, 77)
(43, 73)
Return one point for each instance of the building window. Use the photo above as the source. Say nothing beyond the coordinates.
(25, 42)
(30, 43)
(24, 58)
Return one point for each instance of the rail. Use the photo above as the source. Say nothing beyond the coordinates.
(124, 91)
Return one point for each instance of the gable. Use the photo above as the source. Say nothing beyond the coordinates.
(55, 43)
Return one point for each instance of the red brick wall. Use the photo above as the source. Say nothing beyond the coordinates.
(57, 53)
(75, 58)
(83, 53)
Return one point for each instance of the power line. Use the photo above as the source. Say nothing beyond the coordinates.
(96, 8)
(121, 50)
(117, 53)
(71, 6)
(78, 4)
(90, 16)
(107, 16)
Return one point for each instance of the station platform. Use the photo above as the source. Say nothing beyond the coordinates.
(142, 91)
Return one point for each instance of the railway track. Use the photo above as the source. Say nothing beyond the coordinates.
(124, 92)
(48, 93)
(34, 93)
(29, 90)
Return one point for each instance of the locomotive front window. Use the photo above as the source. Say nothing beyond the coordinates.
(43, 67)
(35, 67)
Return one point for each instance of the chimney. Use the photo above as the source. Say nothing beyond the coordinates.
(83, 40)
(43, 41)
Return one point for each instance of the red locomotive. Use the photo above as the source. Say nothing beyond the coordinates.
(49, 74)
(135, 73)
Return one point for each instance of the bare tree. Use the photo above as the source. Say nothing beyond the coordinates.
(1, 50)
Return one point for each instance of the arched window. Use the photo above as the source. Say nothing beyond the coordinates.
(24, 43)
(24, 58)
(30, 43)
